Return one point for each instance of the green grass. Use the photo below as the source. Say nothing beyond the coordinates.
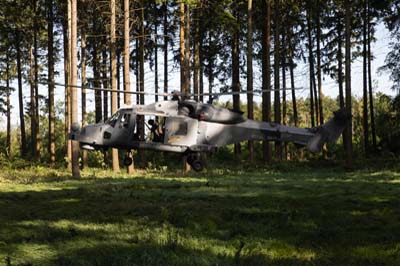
(283, 215)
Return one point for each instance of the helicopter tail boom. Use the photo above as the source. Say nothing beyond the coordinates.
(312, 138)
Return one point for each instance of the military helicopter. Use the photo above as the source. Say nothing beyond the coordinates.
(189, 127)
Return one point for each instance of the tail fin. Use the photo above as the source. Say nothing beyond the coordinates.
(328, 132)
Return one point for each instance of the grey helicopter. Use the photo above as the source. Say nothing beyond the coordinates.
(185, 126)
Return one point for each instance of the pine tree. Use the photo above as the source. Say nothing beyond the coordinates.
(348, 130)
(250, 111)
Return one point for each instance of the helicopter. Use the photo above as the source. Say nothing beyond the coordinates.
(185, 126)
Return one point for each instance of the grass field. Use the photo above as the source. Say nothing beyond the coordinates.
(283, 215)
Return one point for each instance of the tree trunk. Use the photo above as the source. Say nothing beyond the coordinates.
(311, 64)
(83, 91)
(294, 101)
(104, 78)
(365, 81)
(236, 75)
(141, 85)
(292, 84)
(127, 79)
(113, 58)
(200, 40)
(277, 100)
(137, 69)
(348, 130)
(196, 54)
(187, 49)
(340, 69)
(284, 105)
(96, 74)
(370, 90)
(182, 46)
(32, 109)
(340, 63)
(8, 102)
(165, 8)
(201, 74)
(266, 73)
(118, 78)
(35, 107)
(20, 94)
(156, 59)
(74, 93)
(319, 70)
(50, 61)
(187, 88)
(316, 105)
(250, 105)
(67, 77)
(210, 69)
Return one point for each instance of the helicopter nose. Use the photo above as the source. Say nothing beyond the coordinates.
(91, 135)
(74, 133)
(75, 127)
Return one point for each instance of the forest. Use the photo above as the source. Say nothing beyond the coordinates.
(76, 62)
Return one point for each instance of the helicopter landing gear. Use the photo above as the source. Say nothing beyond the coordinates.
(194, 160)
(128, 159)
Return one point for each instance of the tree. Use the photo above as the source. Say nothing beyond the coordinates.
(187, 48)
(196, 52)
(20, 95)
(113, 55)
(74, 94)
(96, 67)
(365, 78)
(83, 89)
(311, 66)
(348, 130)
(34, 80)
(165, 48)
(250, 111)
(277, 61)
(319, 70)
(370, 93)
(8, 102)
(127, 81)
(5, 91)
(50, 61)
(266, 72)
(68, 88)
(141, 78)
(182, 45)
(236, 71)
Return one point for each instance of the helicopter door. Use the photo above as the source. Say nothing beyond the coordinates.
(180, 131)
(121, 130)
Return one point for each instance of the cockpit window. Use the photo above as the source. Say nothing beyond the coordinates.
(113, 119)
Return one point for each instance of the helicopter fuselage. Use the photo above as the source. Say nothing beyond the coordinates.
(192, 127)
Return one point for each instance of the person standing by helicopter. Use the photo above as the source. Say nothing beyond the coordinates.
(156, 130)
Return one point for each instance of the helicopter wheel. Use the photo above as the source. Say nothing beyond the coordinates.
(197, 165)
(128, 161)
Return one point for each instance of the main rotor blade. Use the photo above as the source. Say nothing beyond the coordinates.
(255, 92)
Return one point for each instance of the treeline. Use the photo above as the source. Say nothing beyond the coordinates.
(212, 42)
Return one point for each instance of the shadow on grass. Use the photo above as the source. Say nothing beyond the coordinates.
(279, 219)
